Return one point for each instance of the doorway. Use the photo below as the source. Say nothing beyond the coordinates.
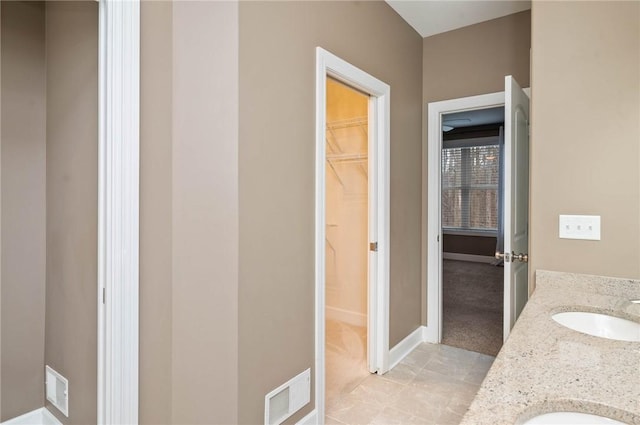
(346, 239)
(514, 203)
(472, 279)
(341, 163)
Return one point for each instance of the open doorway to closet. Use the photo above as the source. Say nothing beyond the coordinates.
(472, 279)
(346, 239)
(352, 155)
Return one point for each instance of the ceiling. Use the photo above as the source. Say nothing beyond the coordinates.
(474, 117)
(430, 17)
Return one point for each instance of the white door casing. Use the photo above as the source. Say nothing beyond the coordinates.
(330, 65)
(516, 202)
(436, 110)
(118, 211)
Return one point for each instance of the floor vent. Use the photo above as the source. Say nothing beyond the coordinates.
(57, 390)
(287, 399)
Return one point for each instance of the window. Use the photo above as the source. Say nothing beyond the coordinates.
(470, 173)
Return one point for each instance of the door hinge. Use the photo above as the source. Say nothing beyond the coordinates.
(438, 238)
(104, 295)
(373, 246)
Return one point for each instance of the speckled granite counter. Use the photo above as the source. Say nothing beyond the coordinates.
(545, 367)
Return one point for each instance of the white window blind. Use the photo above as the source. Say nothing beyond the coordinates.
(470, 187)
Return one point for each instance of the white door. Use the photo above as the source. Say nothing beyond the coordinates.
(516, 202)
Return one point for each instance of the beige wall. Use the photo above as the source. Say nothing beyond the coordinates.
(277, 142)
(155, 211)
(470, 61)
(205, 213)
(72, 202)
(585, 125)
(189, 213)
(23, 151)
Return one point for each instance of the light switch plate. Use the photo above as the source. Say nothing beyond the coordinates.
(586, 227)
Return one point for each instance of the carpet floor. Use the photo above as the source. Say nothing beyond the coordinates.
(472, 306)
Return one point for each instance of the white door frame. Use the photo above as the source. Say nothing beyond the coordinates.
(118, 211)
(328, 64)
(434, 225)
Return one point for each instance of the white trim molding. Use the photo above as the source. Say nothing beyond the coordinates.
(406, 346)
(39, 416)
(329, 65)
(310, 419)
(118, 216)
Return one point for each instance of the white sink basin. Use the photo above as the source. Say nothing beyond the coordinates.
(601, 325)
(570, 418)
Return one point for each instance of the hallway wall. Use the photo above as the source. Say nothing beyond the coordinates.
(156, 127)
(585, 134)
(189, 213)
(277, 161)
(23, 201)
(72, 203)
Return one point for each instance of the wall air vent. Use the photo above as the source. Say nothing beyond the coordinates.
(287, 399)
(57, 388)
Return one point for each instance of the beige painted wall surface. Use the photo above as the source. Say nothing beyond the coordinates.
(277, 161)
(470, 61)
(205, 213)
(155, 211)
(23, 152)
(585, 148)
(72, 202)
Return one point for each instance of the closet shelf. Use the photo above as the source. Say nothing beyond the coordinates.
(344, 157)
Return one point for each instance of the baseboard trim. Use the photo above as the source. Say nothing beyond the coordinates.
(346, 316)
(468, 257)
(407, 345)
(39, 416)
(310, 419)
(430, 334)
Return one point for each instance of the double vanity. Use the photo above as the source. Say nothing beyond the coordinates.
(573, 357)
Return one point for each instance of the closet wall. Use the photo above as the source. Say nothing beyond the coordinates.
(346, 204)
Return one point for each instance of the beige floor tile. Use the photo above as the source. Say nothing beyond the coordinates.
(375, 389)
(402, 373)
(352, 410)
(441, 384)
(417, 358)
(434, 385)
(391, 416)
(420, 402)
(328, 420)
(448, 418)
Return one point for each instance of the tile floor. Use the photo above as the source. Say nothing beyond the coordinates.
(435, 384)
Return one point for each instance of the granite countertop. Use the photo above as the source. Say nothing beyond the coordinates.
(545, 367)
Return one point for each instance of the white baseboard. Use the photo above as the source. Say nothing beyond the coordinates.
(468, 257)
(310, 419)
(404, 347)
(430, 334)
(39, 416)
(346, 316)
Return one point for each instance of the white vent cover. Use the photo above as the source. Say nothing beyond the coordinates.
(57, 390)
(287, 399)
